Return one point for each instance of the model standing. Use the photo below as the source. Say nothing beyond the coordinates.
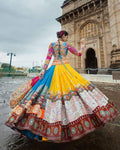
(59, 105)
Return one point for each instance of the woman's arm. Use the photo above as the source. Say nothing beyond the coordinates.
(73, 50)
(47, 60)
(49, 56)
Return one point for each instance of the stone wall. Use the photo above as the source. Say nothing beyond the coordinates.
(80, 17)
(114, 16)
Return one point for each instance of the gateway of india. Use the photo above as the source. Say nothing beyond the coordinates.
(98, 23)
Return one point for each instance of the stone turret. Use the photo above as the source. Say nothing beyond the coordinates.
(114, 17)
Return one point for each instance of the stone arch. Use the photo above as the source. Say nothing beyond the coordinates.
(89, 28)
(89, 21)
(91, 61)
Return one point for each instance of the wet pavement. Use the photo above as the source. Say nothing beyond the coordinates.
(106, 138)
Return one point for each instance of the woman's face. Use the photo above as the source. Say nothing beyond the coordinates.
(65, 38)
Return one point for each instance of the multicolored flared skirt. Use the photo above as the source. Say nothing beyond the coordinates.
(61, 107)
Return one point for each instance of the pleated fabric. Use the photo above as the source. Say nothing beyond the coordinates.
(61, 107)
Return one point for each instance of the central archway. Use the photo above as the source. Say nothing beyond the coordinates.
(91, 62)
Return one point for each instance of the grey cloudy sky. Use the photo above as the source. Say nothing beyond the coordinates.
(26, 28)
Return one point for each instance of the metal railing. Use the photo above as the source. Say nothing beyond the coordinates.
(98, 70)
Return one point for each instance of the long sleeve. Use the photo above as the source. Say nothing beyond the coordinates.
(49, 56)
(73, 50)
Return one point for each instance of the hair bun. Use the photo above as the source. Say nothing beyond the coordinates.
(60, 34)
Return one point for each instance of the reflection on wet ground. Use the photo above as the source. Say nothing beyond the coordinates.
(107, 138)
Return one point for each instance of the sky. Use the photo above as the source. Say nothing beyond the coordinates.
(27, 27)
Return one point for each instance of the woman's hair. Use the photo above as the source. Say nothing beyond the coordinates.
(61, 33)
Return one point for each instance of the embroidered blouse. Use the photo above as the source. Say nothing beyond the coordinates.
(53, 50)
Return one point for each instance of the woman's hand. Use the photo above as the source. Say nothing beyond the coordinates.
(81, 51)
(41, 75)
(82, 45)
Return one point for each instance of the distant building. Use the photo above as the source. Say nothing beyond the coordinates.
(36, 67)
(21, 69)
(98, 23)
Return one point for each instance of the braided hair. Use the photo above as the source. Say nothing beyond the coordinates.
(59, 35)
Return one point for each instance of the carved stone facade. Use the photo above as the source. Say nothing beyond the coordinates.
(98, 22)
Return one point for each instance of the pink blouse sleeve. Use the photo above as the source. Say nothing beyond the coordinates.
(48, 57)
(73, 50)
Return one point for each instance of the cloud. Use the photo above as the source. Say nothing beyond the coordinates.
(27, 28)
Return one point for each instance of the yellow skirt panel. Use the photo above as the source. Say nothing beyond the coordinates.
(66, 79)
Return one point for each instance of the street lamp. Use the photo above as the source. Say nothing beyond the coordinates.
(10, 59)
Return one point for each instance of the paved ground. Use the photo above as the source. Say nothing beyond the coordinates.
(107, 138)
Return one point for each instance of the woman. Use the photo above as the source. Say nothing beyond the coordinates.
(59, 105)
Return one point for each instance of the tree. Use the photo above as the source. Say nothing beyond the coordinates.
(5, 65)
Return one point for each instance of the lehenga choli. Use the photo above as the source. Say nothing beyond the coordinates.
(62, 106)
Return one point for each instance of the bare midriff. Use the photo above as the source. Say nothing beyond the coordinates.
(59, 62)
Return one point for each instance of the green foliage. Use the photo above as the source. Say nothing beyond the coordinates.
(34, 70)
(7, 69)
(5, 65)
(1, 69)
